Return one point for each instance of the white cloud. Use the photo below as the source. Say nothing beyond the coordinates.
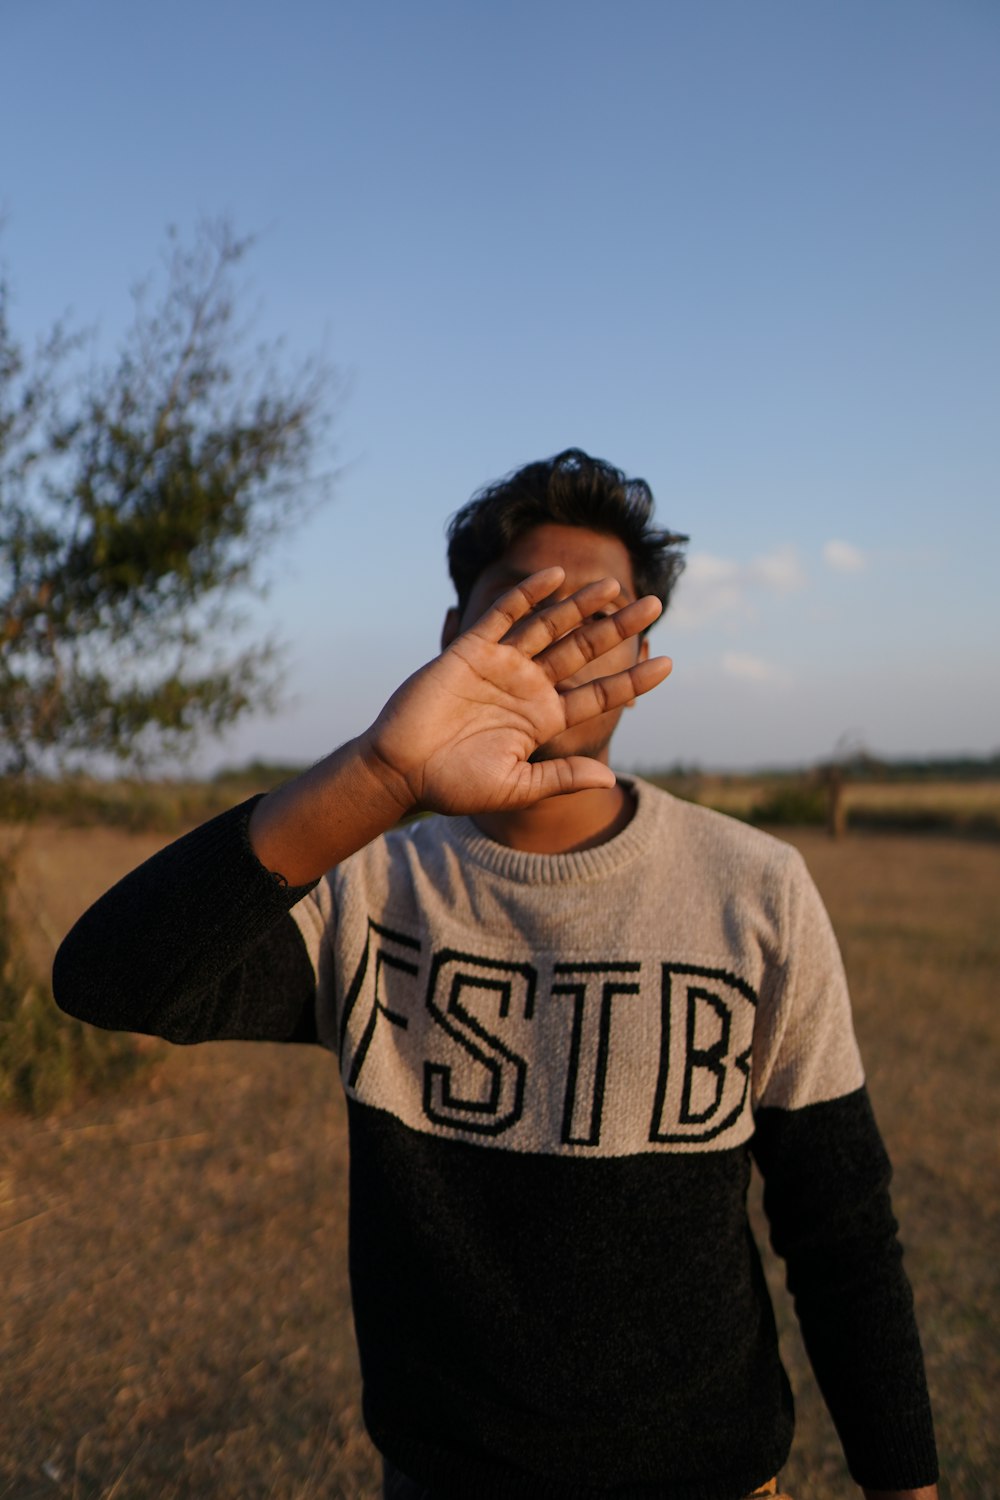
(754, 669)
(712, 587)
(844, 557)
(780, 571)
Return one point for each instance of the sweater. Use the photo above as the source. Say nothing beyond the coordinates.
(557, 1071)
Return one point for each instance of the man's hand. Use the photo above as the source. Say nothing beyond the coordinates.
(458, 735)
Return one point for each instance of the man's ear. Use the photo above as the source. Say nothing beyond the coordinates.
(451, 627)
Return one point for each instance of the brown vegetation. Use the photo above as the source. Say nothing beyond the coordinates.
(177, 1318)
(943, 804)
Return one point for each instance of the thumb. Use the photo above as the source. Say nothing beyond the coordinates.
(566, 773)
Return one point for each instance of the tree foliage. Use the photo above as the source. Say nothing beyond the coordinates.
(137, 503)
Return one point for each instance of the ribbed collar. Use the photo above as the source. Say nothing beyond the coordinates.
(634, 842)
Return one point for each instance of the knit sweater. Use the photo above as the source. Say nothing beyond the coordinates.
(557, 1069)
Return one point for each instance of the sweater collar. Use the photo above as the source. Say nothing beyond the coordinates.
(634, 841)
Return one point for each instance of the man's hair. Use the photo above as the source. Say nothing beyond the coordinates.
(571, 489)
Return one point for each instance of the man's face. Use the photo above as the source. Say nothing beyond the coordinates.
(585, 556)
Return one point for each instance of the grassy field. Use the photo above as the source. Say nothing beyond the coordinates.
(177, 1318)
(953, 805)
(956, 803)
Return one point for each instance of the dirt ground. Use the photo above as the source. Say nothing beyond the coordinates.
(175, 1314)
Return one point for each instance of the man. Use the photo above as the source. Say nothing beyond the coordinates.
(566, 1012)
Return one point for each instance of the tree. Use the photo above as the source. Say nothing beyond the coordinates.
(137, 501)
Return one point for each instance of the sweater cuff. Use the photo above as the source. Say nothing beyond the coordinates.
(897, 1453)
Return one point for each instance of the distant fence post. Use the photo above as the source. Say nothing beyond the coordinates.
(836, 818)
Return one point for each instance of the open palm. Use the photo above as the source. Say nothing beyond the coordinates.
(459, 733)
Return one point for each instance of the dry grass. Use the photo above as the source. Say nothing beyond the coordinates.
(177, 1319)
(917, 920)
(953, 806)
(176, 1305)
(962, 798)
(137, 804)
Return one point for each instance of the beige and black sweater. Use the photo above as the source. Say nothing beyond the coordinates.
(557, 1069)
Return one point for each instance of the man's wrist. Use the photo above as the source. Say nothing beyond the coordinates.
(389, 786)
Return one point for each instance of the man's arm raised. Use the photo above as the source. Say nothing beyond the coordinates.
(197, 943)
(457, 737)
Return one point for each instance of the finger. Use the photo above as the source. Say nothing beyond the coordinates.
(516, 603)
(553, 778)
(605, 693)
(549, 623)
(596, 637)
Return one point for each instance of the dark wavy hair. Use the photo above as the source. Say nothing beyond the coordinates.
(571, 489)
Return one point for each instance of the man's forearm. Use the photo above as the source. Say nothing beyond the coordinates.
(195, 944)
(339, 805)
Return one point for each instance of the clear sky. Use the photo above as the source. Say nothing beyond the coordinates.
(747, 251)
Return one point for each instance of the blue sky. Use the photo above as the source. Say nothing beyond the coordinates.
(747, 251)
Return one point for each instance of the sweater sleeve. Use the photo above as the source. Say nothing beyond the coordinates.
(826, 1194)
(196, 944)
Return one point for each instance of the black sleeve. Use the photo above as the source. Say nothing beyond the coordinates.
(197, 944)
(826, 1194)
